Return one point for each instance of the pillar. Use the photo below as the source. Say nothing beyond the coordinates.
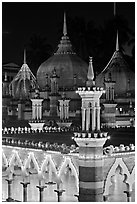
(25, 185)
(93, 118)
(87, 119)
(98, 117)
(91, 165)
(83, 118)
(41, 190)
(40, 111)
(67, 110)
(105, 198)
(59, 194)
(9, 199)
(128, 193)
(21, 110)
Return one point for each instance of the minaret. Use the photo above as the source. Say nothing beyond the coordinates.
(90, 141)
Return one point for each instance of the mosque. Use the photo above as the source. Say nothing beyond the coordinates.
(53, 103)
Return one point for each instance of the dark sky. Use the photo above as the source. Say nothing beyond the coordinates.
(20, 20)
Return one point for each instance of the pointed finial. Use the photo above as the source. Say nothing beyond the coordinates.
(24, 56)
(114, 8)
(117, 43)
(65, 25)
(90, 75)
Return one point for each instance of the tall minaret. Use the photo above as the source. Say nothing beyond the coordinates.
(90, 141)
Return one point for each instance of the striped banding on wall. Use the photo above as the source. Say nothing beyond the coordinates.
(90, 174)
(91, 163)
(91, 185)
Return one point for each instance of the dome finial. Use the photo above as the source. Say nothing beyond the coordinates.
(65, 25)
(24, 56)
(117, 43)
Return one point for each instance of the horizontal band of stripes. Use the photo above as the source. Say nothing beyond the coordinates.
(90, 174)
(91, 197)
(91, 163)
(91, 185)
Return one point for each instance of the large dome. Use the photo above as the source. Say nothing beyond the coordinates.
(66, 63)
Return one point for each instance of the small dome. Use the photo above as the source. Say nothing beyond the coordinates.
(66, 63)
(120, 73)
(23, 82)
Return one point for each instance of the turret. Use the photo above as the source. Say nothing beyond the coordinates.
(90, 141)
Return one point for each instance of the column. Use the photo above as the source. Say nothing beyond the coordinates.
(9, 199)
(33, 111)
(67, 110)
(98, 117)
(87, 119)
(61, 109)
(40, 111)
(25, 190)
(37, 111)
(112, 93)
(107, 93)
(93, 118)
(128, 195)
(59, 194)
(83, 118)
(41, 190)
(105, 198)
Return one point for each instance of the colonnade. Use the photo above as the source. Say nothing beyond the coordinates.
(90, 116)
(64, 109)
(37, 109)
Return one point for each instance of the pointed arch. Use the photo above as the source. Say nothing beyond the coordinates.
(67, 161)
(108, 183)
(4, 160)
(47, 160)
(28, 160)
(14, 156)
(132, 178)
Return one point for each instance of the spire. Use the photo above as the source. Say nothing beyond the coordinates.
(65, 46)
(65, 25)
(114, 9)
(24, 56)
(90, 74)
(117, 43)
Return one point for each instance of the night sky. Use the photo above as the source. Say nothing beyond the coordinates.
(21, 20)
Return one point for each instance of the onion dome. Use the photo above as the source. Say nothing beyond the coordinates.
(66, 62)
(23, 82)
(120, 73)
